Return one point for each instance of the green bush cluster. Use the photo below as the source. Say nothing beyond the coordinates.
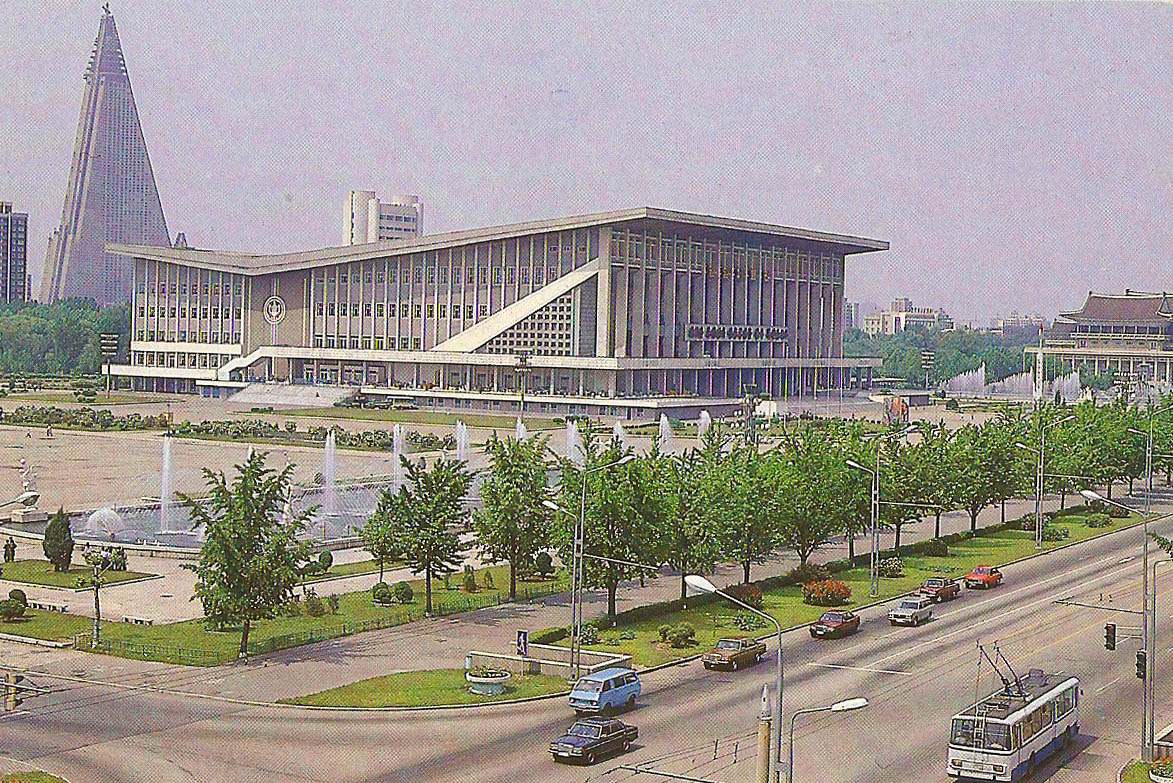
(749, 593)
(891, 568)
(18, 595)
(1098, 519)
(381, 593)
(11, 610)
(1054, 533)
(746, 621)
(549, 635)
(101, 420)
(828, 592)
(402, 592)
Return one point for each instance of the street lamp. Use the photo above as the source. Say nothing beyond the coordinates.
(1039, 476)
(875, 474)
(846, 705)
(1151, 672)
(576, 573)
(700, 584)
(1147, 623)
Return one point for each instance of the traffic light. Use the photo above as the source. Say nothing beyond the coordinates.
(1109, 636)
(1140, 664)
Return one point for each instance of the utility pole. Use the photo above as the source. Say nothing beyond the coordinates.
(764, 719)
(523, 369)
(749, 403)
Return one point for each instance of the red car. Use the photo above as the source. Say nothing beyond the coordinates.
(940, 588)
(835, 625)
(983, 576)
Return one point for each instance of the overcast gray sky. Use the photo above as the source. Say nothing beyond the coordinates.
(1015, 155)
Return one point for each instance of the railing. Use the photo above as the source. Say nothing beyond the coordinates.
(195, 656)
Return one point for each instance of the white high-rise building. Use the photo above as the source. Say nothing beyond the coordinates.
(367, 219)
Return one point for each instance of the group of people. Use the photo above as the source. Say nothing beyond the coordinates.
(10, 550)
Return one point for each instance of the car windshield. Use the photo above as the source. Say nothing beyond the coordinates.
(962, 733)
(727, 644)
(590, 686)
(986, 734)
(909, 605)
(832, 617)
(584, 730)
(933, 583)
(981, 570)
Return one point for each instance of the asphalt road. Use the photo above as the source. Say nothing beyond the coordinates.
(915, 678)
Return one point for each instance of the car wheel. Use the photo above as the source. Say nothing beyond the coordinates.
(706, 664)
(626, 745)
(757, 658)
(733, 665)
(589, 757)
(892, 623)
(631, 702)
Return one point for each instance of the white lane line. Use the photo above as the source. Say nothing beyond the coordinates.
(995, 618)
(1107, 685)
(859, 668)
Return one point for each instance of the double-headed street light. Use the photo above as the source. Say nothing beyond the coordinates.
(1039, 474)
(846, 705)
(875, 474)
(702, 585)
(576, 574)
(27, 498)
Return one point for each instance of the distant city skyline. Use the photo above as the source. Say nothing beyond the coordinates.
(1016, 155)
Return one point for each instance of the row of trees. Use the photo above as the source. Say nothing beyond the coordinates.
(59, 338)
(721, 501)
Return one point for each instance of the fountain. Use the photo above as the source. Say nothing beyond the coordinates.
(462, 441)
(329, 476)
(620, 434)
(397, 451)
(105, 524)
(1067, 386)
(972, 383)
(573, 443)
(703, 423)
(665, 431)
(1020, 386)
(166, 503)
(519, 430)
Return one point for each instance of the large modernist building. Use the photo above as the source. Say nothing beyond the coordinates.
(615, 313)
(1129, 335)
(111, 194)
(367, 219)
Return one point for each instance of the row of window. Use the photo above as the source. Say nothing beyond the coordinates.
(381, 309)
(181, 288)
(418, 274)
(201, 337)
(181, 312)
(171, 359)
(367, 343)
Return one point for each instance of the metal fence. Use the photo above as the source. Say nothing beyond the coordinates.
(196, 656)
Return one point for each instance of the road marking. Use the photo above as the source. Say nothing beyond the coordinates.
(1107, 685)
(984, 621)
(859, 668)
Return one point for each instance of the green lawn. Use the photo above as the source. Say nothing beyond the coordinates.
(190, 642)
(360, 567)
(32, 777)
(485, 420)
(714, 620)
(1135, 772)
(40, 572)
(57, 397)
(424, 688)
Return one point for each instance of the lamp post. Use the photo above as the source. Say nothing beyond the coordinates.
(1039, 475)
(523, 369)
(875, 474)
(1151, 669)
(576, 567)
(700, 584)
(846, 705)
(27, 498)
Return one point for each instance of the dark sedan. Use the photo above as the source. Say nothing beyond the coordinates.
(835, 625)
(592, 738)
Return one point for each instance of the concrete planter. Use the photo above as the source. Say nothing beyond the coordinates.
(1158, 777)
(490, 684)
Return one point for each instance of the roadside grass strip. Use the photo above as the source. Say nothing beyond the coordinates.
(426, 688)
(40, 572)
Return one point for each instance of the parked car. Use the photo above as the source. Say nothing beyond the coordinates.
(940, 588)
(592, 738)
(734, 653)
(606, 690)
(835, 625)
(983, 576)
(913, 610)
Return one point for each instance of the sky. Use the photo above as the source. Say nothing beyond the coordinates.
(1014, 155)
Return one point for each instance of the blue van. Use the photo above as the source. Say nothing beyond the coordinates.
(605, 691)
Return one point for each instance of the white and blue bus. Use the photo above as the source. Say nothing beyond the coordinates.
(1009, 733)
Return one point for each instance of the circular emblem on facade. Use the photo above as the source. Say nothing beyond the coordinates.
(274, 309)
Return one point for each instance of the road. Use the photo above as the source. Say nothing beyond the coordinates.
(915, 678)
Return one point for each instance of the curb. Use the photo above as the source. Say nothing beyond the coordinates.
(63, 589)
(19, 639)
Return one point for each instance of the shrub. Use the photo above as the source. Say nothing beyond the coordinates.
(314, 606)
(18, 595)
(469, 581)
(544, 563)
(746, 593)
(590, 634)
(548, 635)
(802, 575)
(663, 631)
(934, 547)
(626, 635)
(118, 559)
(58, 541)
(403, 592)
(891, 568)
(11, 610)
(1052, 533)
(952, 404)
(381, 593)
(826, 592)
(682, 635)
(325, 560)
(745, 621)
(334, 602)
(1098, 519)
(488, 580)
